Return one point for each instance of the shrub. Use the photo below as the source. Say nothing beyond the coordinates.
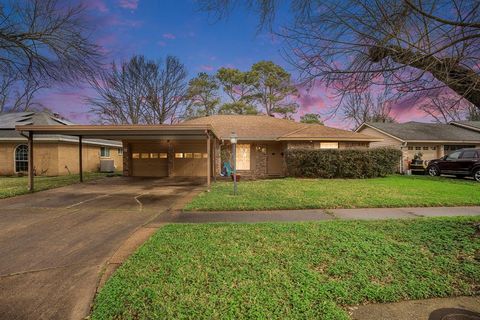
(346, 163)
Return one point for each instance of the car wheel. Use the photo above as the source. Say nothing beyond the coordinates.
(476, 175)
(433, 171)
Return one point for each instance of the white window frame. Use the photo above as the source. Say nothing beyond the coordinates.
(104, 154)
(22, 160)
(326, 145)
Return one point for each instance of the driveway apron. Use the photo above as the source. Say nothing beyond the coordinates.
(54, 244)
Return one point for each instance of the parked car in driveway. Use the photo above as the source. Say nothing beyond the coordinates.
(461, 163)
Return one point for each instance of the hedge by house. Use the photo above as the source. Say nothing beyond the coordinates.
(346, 163)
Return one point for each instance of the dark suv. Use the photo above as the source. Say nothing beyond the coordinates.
(462, 163)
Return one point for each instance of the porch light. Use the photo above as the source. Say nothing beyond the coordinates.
(233, 138)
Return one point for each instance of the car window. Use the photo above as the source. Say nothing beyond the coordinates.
(469, 154)
(454, 155)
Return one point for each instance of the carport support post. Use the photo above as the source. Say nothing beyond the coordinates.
(208, 161)
(30, 162)
(80, 158)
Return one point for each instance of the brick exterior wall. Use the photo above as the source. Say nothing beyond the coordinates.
(341, 145)
(53, 159)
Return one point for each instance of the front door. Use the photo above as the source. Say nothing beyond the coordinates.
(275, 159)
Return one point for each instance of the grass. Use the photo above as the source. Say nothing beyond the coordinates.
(296, 271)
(392, 191)
(14, 186)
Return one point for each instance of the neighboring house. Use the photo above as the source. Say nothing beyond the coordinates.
(201, 146)
(432, 140)
(54, 154)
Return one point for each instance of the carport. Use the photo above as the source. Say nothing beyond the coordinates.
(148, 150)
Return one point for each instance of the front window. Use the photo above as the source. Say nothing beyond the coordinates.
(21, 158)
(120, 151)
(328, 145)
(454, 155)
(243, 157)
(104, 152)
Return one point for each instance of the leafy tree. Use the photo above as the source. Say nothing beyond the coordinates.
(237, 108)
(274, 89)
(239, 87)
(202, 96)
(140, 91)
(311, 118)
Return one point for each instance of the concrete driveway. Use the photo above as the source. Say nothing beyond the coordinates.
(55, 244)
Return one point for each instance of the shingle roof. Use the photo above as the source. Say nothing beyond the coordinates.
(419, 131)
(474, 125)
(8, 121)
(261, 127)
(307, 131)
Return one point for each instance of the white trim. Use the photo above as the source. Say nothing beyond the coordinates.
(466, 126)
(445, 141)
(72, 140)
(15, 158)
(333, 139)
(381, 131)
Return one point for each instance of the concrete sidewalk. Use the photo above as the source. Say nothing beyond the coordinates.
(315, 215)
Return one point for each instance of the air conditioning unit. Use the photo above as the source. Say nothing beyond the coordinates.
(107, 165)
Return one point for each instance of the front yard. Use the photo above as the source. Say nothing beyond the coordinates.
(14, 186)
(296, 271)
(392, 191)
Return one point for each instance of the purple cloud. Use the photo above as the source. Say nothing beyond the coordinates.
(206, 67)
(98, 5)
(128, 4)
(169, 36)
(161, 43)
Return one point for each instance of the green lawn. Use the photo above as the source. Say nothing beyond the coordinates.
(392, 191)
(14, 186)
(296, 270)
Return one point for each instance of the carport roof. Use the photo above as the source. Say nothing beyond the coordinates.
(120, 131)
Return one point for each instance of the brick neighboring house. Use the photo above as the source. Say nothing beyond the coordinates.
(433, 140)
(263, 140)
(54, 154)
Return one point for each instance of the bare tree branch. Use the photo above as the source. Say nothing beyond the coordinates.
(46, 40)
(140, 91)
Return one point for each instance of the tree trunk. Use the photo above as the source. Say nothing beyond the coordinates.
(462, 80)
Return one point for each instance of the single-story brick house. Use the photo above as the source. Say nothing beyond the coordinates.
(433, 140)
(263, 140)
(200, 146)
(54, 154)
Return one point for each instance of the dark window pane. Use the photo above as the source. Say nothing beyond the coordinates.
(469, 154)
(21, 158)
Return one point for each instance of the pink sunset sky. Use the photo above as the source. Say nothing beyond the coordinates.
(159, 28)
